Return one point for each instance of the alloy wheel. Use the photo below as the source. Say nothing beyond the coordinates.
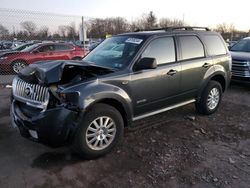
(213, 99)
(100, 133)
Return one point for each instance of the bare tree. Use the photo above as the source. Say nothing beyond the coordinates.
(56, 36)
(29, 26)
(99, 28)
(72, 31)
(167, 22)
(23, 35)
(43, 33)
(4, 32)
(62, 29)
(146, 21)
(225, 28)
(151, 21)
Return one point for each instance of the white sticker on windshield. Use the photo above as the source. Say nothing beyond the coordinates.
(134, 40)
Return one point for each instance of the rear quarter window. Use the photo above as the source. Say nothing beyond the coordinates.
(215, 45)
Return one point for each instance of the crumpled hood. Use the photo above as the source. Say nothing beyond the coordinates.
(48, 72)
(240, 55)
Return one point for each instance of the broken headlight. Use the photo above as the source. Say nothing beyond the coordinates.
(70, 100)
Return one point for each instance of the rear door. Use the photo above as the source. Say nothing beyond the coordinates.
(63, 51)
(194, 63)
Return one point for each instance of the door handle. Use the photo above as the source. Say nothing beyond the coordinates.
(172, 72)
(205, 65)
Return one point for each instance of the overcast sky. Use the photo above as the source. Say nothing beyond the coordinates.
(196, 12)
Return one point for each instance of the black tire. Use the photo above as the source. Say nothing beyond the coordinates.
(80, 145)
(77, 58)
(16, 63)
(202, 106)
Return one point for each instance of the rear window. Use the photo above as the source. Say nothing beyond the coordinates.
(62, 47)
(215, 45)
(191, 47)
(46, 48)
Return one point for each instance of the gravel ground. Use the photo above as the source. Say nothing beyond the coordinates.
(179, 148)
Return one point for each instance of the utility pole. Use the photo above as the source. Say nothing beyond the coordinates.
(83, 31)
(14, 31)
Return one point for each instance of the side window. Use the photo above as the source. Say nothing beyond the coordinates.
(162, 49)
(46, 48)
(215, 45)
(191, 47)
(62, 47)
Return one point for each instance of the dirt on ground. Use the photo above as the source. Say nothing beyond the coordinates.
(179, 148)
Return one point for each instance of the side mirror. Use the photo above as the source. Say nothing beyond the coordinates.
(146, 63)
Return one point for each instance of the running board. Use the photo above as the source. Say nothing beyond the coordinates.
(163, 110)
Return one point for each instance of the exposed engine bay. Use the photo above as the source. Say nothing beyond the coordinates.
(61, 72)
(40, 85)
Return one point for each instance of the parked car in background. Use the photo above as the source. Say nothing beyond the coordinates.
(231, 43)
(14, 61)
(80, 44)
(18, 48)
(93, 45)
(5, 45)
(241, 61)
(1, 46)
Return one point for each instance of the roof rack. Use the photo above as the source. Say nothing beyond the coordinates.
(185, 28)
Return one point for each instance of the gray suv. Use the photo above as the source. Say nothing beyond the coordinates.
(241, 61)
(86, 104)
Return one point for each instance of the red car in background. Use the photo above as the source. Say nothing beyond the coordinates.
(13, 62)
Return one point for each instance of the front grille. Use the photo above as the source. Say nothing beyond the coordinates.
(32, 94)
(240, 68)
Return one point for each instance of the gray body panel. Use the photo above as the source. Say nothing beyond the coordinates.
(153, 90)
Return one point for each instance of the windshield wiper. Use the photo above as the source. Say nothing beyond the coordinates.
(96, 65)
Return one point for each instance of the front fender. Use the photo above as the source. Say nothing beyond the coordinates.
(94, 92)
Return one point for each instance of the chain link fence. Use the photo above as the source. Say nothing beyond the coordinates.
(23, 33)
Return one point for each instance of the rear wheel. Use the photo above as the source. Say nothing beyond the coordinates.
(18, 65)
(210, 99)
(99, 132)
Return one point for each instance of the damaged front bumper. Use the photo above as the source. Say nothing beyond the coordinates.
(53, 127)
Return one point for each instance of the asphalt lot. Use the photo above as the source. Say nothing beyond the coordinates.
(178, 148)
(6, 79)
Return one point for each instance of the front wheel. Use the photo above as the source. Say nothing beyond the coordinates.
(210, 98)
(18, 65)
(99, 132)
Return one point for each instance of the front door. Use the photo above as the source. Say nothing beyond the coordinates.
(154, 89)
(45, 52)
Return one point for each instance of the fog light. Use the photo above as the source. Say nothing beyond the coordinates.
(33, 134)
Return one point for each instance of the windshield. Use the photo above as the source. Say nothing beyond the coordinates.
(241, 46)
(30, 48)
(22, 47)
(115, 52)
